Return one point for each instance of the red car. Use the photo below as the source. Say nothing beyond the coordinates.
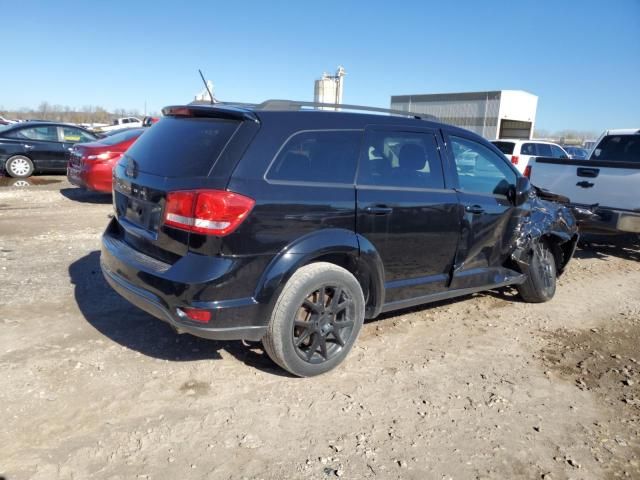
(91, 164)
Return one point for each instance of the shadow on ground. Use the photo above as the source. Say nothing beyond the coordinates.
(85, 196)
(626, 247)
(135, 329)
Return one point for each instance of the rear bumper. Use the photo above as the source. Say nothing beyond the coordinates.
(96, 178)
(194, 281)
(599, 220)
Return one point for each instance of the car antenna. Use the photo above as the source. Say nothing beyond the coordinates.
(206, 85)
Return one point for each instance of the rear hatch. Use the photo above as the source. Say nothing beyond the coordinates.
(191, 148)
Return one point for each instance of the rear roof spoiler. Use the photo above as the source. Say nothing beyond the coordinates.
(230, 112)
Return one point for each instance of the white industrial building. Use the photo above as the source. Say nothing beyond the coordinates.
(496, 114)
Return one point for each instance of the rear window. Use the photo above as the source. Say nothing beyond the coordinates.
(618, 148)
(182, 147)
(505, 147)
(121, 136)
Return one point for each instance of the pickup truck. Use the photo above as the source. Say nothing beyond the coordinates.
(604, 189)
(120, 123)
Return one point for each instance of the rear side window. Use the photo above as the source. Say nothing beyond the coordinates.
(557, 152)
(618, 148)
(318, 157)
(528, 149)
(505, 147)
(182, 147)
(401, 159)
(45, 133)
(544, 150)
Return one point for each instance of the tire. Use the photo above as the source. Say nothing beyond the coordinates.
(540, 285)
(19, 166)
(309, 332)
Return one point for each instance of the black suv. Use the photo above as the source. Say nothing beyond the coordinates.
(291, 225)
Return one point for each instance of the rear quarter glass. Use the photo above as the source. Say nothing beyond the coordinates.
(505, 147)
(182, 147)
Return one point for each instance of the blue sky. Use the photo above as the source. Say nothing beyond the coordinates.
(582, 58)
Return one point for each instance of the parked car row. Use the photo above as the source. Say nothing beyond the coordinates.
(29, 147)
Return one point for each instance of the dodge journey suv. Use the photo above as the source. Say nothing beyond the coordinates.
(292, 225)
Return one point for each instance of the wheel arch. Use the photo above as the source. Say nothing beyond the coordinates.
(562, 247)
(337, 246)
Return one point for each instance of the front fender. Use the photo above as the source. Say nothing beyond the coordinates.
(362, 258)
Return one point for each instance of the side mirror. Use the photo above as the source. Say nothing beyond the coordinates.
(521, 191)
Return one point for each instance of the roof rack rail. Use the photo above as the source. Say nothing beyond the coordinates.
(294, 105)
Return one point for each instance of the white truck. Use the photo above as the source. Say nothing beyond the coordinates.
(604, 189)
(120, 123)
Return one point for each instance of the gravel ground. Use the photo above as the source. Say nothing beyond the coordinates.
(480, 387)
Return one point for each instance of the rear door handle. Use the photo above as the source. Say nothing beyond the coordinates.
(378, 210)
(475, 209)
(585, 184)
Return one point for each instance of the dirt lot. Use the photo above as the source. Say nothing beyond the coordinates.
(482, 387)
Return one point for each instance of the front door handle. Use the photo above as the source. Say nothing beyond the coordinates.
(475, 209)
(378, 210)
(585, 184)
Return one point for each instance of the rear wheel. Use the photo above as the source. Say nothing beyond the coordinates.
(541, 278)
(19, 166)
(316, 320)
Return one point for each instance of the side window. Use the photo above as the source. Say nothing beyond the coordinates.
(544, 150)
(480, 169)
(75, 135)
(44, 133)
(401, 159)
(557, 152)
(319, 157)
(528, 149)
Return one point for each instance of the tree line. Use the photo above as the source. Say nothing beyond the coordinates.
(67, 114)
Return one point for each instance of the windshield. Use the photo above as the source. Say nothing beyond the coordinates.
(618, 148)
(121, 136)
(505, 147)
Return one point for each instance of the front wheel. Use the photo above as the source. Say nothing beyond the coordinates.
(540, 285)
(316, 320)
(19, 166)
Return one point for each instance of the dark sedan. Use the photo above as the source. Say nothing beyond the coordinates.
(27, 147)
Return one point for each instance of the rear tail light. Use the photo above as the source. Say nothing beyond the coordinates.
(102, 157)
(515, 159)
(527, 171)
(212, 212)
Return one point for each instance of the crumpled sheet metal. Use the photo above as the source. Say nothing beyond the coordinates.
(545, 218)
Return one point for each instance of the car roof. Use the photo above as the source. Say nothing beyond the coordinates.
(42, 123)
(520, 140)
(623, 131)
(325, 118)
